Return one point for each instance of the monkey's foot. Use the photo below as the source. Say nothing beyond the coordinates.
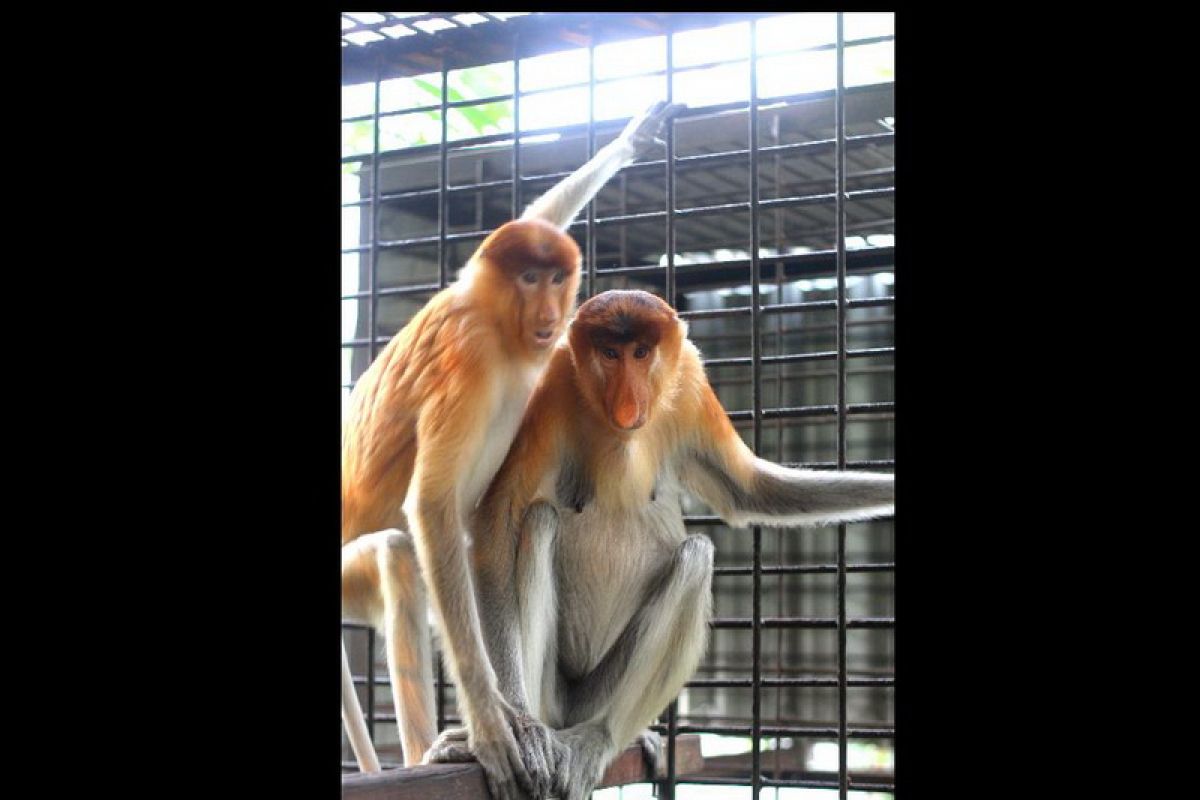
(652, 749)
(590, 751)
(450, 747)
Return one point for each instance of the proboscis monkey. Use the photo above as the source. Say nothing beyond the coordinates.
(428, 424)
(596, 601)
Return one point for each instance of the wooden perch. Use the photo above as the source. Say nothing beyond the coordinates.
(465, 781)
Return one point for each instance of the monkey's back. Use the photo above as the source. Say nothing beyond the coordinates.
(436, 348)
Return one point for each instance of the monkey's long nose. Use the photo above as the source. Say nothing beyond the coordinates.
(626, 414)
(547, 315)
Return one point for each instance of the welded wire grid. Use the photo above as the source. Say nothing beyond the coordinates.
(769, 224)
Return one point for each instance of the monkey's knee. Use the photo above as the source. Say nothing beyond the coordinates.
(361, 580)
(397, 554)
(399, 544)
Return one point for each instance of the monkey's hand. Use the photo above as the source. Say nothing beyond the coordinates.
(518, 754)
(541, 752)
(646, 129)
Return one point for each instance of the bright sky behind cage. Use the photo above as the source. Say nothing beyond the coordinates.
(786, 65)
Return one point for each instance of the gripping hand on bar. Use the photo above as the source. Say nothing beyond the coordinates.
(562, 204)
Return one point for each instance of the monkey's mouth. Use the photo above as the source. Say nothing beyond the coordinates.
(543, 338)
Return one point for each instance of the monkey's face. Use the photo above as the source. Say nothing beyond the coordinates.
(529, 274)
(625, 367)
(547, 296)
(622, 344)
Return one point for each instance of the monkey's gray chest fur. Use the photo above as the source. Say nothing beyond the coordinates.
(605, 559)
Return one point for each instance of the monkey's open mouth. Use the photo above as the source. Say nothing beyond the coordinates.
(543, 337)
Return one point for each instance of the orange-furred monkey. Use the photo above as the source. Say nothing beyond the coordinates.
(428, 424)
(597, 600)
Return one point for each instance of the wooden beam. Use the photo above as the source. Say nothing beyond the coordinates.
(465, 781)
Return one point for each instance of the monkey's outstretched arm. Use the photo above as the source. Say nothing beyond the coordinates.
(562, 203)
(745, 490)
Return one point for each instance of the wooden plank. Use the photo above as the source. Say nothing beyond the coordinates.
(465, 781)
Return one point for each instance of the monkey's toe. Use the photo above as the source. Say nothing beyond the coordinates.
(652, 749)
(449, 748)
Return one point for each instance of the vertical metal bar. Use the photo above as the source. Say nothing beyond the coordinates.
(441, 694)
(622, 231)
(516, 151)
(443, 273)
(478, 196)
(371, 683)
(443, 179)
(372, 316)
(591, 143)
(840, 203)
(780, 370)
(372, 278)
(672, 732)
(756, 392)
(672, 722)
(670, 288)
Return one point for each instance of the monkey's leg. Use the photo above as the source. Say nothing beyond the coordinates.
(360, 603)
(352, 718)
(409, 651)
(537, 606)
(382, 585)
(658, 650)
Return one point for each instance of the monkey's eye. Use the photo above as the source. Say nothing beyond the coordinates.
(559, 276)
(610, 354)
(641, 352)
(529, 277)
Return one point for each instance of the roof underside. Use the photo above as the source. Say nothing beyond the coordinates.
(413, 44)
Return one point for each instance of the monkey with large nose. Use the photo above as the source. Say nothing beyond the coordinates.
(594, 599)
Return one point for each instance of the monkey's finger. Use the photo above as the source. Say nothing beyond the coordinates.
(538, 768)
(669, 111)
(547, 754)
(662, 116)
(644, 128)
(517, 768)
(503, 783)
(562, 766)
(561, 783)
(655, 110)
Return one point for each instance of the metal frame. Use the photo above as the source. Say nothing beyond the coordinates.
(838, 261)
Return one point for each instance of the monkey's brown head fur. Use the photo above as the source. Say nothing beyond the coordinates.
(625, 346)
(528, 272)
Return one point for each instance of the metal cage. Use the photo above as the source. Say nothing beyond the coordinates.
(768, 222)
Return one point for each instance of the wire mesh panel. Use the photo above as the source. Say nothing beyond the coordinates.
(767, 220)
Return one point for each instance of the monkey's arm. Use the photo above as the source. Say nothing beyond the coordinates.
(450, 432)
(562, 203)
(746, 490)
